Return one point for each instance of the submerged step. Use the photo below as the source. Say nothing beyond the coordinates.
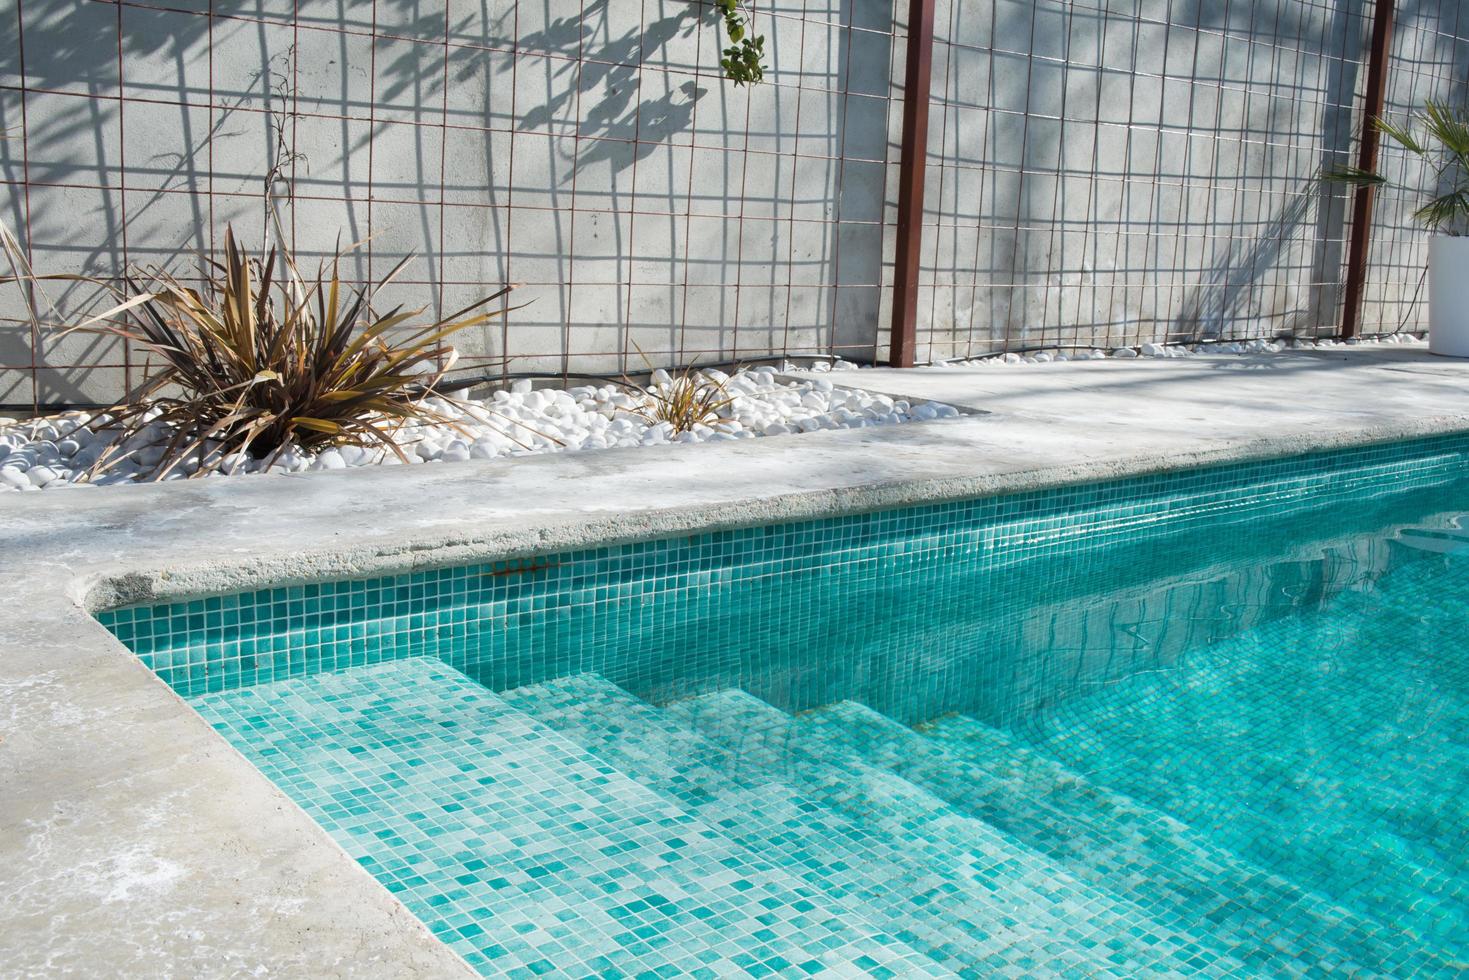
(907, 886)
(1310, 748)
(1031, 887)
(522, 850)
(1270, 922)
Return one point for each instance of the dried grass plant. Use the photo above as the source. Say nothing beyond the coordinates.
(689, 398)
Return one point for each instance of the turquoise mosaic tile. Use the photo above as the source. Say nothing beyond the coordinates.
(1239, 909)
(523, 852)
(938, 899)
(1206, 723)
(1327, 746)
(1273, 924)
(1033, 889)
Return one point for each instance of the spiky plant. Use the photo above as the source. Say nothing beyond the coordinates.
(263, 358)
(687, 399)
(1444, 147)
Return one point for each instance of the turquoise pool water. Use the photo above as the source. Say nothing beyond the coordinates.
(1202, 723)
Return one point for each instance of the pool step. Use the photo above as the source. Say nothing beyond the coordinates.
(959, 910)
(1378, 744)
(1030, 886)
(1280, 747)
(1276, 926)
(522, 850)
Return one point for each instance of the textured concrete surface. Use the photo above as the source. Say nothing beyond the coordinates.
(134, 841)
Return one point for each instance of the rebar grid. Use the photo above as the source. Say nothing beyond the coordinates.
(1099, 173)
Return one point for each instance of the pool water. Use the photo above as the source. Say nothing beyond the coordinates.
(1203, 723)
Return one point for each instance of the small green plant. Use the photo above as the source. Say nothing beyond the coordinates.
(743, 60)
(264, 358)
(1444, 147)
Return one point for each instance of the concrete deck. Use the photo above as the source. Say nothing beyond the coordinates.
(134, 841)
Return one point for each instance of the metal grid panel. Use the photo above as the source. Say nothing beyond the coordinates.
(1100, 172)
(1115, 172)
(1430, 60)
(587, 149)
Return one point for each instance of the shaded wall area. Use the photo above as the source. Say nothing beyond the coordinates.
(1120, 171)
(1430, 60)
(586, 149)
(1101, 172)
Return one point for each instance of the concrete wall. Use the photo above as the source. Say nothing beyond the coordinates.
(1098, 174)
(1430, 60)
(1118, 172)
(589, 150)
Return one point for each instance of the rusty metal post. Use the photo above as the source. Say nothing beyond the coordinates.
(917, 82)
(1367, 160)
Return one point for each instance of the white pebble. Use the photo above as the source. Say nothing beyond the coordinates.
(355, 455)
(40, 476)
(488, 447)
(56, 453)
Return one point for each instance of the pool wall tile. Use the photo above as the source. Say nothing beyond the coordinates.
(607, 610)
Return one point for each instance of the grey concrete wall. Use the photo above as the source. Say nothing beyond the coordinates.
(1430, 60)
(588, 149)
(1124, 171)
(1098, 174)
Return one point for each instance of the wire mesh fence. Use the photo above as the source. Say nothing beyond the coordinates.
(1112, 173)
(1099, 173)
(1430, 60)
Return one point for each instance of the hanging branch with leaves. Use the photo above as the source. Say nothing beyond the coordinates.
(743, 59)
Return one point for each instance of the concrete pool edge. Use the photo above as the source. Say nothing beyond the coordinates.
(103, 764)
(395, 553)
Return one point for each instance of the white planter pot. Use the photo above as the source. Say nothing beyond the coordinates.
(1448, 296)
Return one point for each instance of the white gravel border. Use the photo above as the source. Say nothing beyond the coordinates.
(1231, 348)
(54, 453)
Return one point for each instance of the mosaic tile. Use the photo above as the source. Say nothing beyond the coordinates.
(1205, 721)
(1254, 916)
(518, 848)
(1071, 911)
(938, 900)
(1327, 746)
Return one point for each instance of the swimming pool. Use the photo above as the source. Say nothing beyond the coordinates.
(1201, 722)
